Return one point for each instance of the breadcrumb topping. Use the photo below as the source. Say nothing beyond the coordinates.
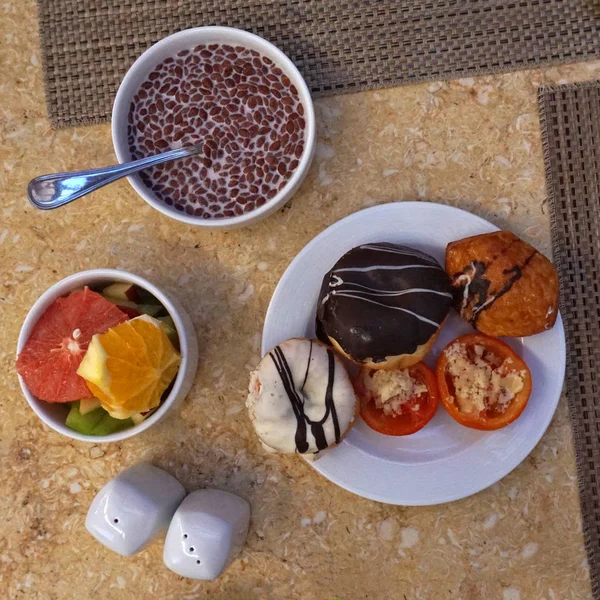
(391, 390)
(478, 385)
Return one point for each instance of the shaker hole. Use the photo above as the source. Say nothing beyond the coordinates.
(191, 548)
(116, 520)
(198, 562)
(185, 536)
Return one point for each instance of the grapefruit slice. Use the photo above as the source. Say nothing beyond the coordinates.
(48, 363)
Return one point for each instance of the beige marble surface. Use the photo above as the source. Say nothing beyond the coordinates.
(473, 143)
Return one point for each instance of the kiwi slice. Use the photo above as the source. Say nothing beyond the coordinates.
(169, 328)
(95, 422)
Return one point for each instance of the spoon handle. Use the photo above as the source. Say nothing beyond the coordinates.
(57, 189)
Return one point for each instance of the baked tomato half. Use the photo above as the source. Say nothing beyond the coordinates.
(397, 401)
(483, 383)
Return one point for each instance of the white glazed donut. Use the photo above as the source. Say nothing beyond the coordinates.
(301, 398)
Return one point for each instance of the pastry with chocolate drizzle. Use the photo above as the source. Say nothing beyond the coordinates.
(382, 305)
(502, 285)
(301, 398)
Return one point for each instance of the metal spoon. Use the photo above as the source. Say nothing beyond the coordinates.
(52, 191)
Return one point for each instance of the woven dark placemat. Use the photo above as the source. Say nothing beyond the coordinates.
(570, 117)
(87, 45)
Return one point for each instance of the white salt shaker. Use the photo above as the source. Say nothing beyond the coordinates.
(134, 508)
(206, 533)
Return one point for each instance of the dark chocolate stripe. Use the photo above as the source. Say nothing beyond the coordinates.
(307, 367)
(316, 427)
(297, 402)
(329, 403)
(280, 363)
(319, 433)
(478, 287)
(517, 273)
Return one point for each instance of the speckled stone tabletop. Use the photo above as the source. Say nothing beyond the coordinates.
(473, 143)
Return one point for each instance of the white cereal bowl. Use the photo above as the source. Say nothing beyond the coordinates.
(54, 414)
(187, 39)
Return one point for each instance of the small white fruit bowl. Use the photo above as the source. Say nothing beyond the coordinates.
(54, 414)
(185, 40)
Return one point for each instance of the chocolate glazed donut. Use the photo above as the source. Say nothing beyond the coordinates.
(383, 304)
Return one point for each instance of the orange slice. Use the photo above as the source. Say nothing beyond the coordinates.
(129, 367)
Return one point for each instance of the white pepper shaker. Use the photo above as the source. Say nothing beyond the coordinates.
(207, 531)
(134, 508)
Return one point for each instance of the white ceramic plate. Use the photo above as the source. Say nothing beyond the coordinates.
(444, 461)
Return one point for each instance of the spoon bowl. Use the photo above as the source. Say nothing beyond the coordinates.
(57, 189)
